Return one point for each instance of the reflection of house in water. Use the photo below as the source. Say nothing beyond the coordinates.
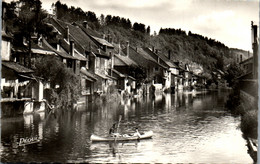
(168, 101)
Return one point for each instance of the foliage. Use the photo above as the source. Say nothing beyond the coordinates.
(72, 14)
(233, 72)
(139, 27)
(249, 123)
(65, 85)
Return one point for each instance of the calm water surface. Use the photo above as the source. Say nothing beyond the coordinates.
(187, 127)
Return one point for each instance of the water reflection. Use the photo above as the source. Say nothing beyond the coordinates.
(188, 127)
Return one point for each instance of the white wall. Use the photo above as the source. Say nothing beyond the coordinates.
(5, 50)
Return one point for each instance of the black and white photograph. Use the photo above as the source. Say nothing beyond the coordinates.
(136, 81)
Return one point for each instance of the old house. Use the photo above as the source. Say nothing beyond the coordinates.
(96, 50)
(95, 66)
(171, 74)
(155, 72)
(123, 65)
(21, 92)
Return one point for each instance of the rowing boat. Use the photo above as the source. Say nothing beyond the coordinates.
(145, 135)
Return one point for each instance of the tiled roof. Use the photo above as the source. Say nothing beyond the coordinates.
(102, 41)
(121, 60)
(16, 67)
(148, 57)
(77, 34)
(61, 53)
(162, 57)
(42, 49)
(82, 40)
(139, 59)
(66, 47)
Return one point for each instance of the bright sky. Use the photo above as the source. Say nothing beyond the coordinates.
(228, 21)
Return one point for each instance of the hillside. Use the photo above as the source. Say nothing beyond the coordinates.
(188, 47)
(198, 51)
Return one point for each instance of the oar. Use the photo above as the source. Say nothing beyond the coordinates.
(120, 117)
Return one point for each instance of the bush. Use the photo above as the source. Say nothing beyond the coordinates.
(65, 85)
(249, 123)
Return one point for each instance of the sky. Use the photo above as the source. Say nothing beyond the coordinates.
(227, 21)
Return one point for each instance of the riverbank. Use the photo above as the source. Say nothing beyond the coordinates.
(245, 105)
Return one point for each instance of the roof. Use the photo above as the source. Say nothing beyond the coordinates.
(139, 59)
(5, 36)
(118, 73)
(42, 49)
(88, 74)
(61, 53)
(16, 67)
(102, 41)
(83, 40)
(102, 76)
(248, 59)
(148, 57)
(20, 48)
(167, 61)
(121, 60)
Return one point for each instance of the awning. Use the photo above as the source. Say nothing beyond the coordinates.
(16, 67)
(102, 76)
(89, 79)
(43, 52)
(87, 74)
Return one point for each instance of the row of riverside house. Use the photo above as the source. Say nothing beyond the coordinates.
(98, 62)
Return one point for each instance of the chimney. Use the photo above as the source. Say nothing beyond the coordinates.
(3, 18)
(169, 54)
(67, 33)
(105, 48)
(119, 49)
(112, 59)
(90, 47)
(58, 45)
(72, 47)
(108, 38)
(253, 32)
(153, 48)
(85, 24)
(127, 48)
(156, 51)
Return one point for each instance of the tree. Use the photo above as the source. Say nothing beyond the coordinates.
(57, 74)
(148, 30)
(102, 20)
(29, 21)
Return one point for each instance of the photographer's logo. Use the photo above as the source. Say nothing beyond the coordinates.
(27, 141)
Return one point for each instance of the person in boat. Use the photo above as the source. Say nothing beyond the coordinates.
(112, 131)
(137, 133)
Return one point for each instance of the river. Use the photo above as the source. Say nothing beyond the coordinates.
(188, 127)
